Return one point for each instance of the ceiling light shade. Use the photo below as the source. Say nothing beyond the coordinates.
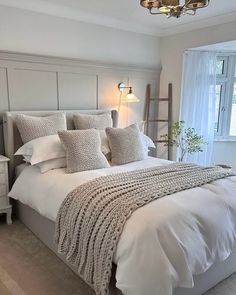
(195, 4)
(174, 8)
(170, 2)
(150, 3)
(158, 3)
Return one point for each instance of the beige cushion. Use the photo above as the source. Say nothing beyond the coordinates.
(100, 122)
(34, 127)
(83, 150)
(125, 144)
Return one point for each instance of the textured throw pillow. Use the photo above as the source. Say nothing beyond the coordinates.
(147, 143)
(34, 127)
(42, 149)
(83, 150)
(100, 122)
(126, 144)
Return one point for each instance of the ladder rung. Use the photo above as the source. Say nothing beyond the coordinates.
(163, 99)
(159, 99)
(160, 141)
(166, 120)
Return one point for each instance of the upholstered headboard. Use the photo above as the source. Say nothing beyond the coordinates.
(12, 139)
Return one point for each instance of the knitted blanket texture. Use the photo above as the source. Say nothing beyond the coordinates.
(92, 217)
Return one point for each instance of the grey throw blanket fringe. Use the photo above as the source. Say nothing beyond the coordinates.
(91, 218)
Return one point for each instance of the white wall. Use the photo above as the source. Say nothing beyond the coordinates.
(131, 57)
(225, 152)
(36, 33)
(172, 48)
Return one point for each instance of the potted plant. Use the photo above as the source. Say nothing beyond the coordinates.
(186, 139)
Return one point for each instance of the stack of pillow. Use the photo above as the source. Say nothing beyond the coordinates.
(93, 145)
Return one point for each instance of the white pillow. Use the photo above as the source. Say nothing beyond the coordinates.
(42, 149)
(51, 164)
(147, 141)
(27, 159)
(141, 126)
(50, 147)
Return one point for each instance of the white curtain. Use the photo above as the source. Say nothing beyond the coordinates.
(198, 99)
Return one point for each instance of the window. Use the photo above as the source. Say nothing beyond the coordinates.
(221, 66)
(225, 115)
(233, 114)
(219, 94)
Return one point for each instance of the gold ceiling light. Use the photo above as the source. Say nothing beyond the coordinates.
(174, 7)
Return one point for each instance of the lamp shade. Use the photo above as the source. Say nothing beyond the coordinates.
(158, 3)
(194, 4)
(150, 3)
(130, 97)
(170, 2)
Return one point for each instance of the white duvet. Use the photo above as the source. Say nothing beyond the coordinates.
(164, 243)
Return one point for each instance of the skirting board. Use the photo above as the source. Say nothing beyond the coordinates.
(43, 228)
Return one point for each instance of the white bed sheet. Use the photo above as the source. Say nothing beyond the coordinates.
(46, 192)
(164, 243)
(20, 169)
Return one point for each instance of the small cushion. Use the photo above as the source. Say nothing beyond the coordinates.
(126, 144)
(83, 150)
(147, 143)
(34, 127)
(100, 122)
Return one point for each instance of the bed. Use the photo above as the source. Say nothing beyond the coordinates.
(42, 222)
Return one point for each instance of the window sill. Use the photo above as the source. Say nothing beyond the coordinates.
(225, 140)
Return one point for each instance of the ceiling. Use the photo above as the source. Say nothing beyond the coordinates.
(229, 46)
(129, 15)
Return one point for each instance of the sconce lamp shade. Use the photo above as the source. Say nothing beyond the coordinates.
(130, 97)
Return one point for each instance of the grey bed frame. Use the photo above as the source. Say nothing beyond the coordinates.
(43, 228)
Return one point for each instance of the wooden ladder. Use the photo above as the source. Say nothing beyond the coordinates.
(168, 100)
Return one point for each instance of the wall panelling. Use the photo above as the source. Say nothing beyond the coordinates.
(31, 82)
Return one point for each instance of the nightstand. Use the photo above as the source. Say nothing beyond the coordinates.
(5, 206)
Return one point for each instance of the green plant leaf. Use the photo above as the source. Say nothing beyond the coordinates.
(186, 139)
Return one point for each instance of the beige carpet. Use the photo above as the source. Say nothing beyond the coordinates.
(27, 267)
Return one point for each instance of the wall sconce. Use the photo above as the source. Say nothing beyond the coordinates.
(130, 97)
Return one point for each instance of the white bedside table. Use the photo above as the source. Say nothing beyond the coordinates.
(5, 206)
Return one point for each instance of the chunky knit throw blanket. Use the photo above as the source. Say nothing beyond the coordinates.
(91, 218)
